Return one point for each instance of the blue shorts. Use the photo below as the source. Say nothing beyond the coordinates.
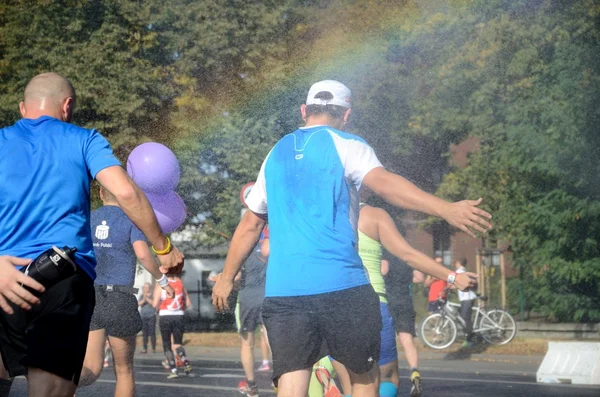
(388, 351)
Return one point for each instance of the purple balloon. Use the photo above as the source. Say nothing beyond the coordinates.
(154, 168)
(169, 209)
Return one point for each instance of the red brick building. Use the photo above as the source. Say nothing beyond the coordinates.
(441, 239)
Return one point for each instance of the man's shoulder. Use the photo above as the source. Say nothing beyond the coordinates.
(345, 135)
(69, 128)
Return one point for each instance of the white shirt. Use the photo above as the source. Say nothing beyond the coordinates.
(466, 295)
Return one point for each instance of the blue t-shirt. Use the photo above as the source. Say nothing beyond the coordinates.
(309, 185)
(46, 167)
(113, 235)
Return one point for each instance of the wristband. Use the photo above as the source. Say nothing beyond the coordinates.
(165, 251)
(163, 281)
(451, 277)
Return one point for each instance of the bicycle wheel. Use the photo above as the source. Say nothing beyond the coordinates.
(499, 329)
(438, 332)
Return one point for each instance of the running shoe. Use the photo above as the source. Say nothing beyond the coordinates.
(173, 374)
(188, 370)
(329, 387)
(266, 367)
(415, 384)
(246, 390)
(467, 344)
(106, 364)
(165, 364)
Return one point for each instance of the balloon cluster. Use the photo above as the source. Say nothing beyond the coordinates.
(155, 169)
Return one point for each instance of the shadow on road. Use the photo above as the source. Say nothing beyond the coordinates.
(465, 352)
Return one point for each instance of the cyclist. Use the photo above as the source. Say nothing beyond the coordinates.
(467, 298)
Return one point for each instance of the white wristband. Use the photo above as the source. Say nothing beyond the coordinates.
(163, 282)
(451, 277)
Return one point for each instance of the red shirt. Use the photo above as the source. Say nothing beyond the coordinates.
(436, 290)
(176, 303)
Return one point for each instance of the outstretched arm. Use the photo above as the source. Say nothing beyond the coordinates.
(401, 192)
(393, 241)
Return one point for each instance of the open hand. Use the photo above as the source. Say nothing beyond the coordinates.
(12, 283)
(221, 292)
(465, 216)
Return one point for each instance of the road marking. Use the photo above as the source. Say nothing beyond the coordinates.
(194, 367)
(177, 384)
(220, 376)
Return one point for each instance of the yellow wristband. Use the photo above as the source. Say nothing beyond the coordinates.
(165, 251)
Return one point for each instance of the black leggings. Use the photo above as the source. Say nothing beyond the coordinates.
(149, 331)
(171, 325)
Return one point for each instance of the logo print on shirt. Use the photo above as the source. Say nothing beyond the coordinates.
(299, 156)
(102, 231)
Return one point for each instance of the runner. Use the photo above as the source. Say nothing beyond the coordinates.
(376, 229)
(148, 314)
(47, 167)
(398, 279)
(117, 244)
(171, 322)
(466, 304)
(248, 311)
(316, 287)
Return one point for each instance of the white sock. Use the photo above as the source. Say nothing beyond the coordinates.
(265, 362)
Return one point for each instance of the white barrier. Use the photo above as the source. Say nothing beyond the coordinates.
(571, 362)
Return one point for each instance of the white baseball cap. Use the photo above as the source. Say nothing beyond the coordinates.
(329, 92)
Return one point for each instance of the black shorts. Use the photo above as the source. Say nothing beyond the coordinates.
(348, 321)
(404, 316)
(435, 306)
(248, 316)
(117, 313)
(53, 335)
(171, 325)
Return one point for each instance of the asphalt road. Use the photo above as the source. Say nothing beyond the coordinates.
(218, 371)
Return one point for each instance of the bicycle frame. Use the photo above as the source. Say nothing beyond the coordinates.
(452, 309)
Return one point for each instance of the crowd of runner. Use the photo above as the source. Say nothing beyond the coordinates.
(313, 283)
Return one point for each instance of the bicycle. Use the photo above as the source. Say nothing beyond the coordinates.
(439, 330)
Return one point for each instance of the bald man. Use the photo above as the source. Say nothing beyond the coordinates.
(46, 167)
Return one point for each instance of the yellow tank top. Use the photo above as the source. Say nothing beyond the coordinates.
(370, 252)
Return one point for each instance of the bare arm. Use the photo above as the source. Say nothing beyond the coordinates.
(157, 293)
(265, 248)
(142, 299)
(385, 267)
(243, 242)
(401, 192)
(145, 256)
(393, 241)
(188, 301)
(134, 203)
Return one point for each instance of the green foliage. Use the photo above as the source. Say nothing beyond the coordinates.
(219, 81)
